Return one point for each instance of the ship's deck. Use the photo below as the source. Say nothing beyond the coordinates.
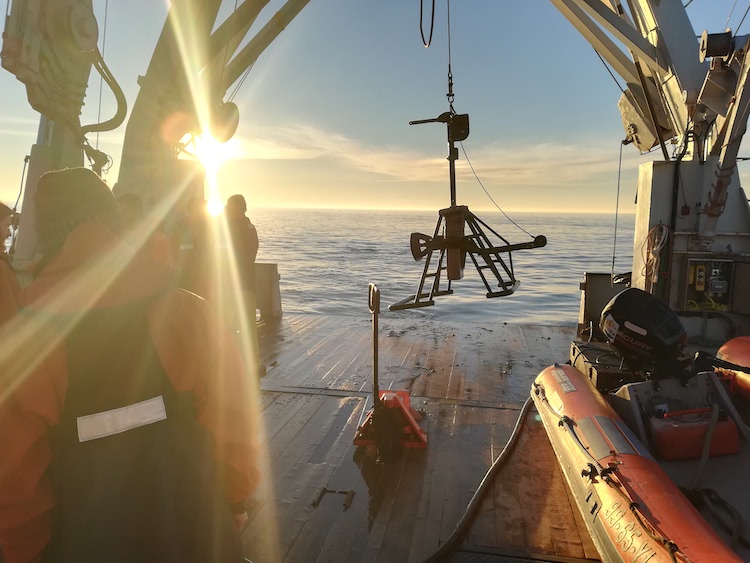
(470, 382)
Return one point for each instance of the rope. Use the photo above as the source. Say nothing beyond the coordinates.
(466, 156)
(708, 498)
(653, 246)
(476, 500)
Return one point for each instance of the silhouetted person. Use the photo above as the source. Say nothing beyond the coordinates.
(243, 239)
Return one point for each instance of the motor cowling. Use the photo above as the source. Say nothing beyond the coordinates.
(644, 330)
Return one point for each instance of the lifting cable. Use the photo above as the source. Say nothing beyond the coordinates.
(451, 96)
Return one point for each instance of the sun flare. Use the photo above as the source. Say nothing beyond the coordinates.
(215, 206)
(211, 153)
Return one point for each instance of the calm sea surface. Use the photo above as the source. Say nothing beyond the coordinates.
(327, 259)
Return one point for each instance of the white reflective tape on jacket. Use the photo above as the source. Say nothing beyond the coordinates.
(116, 421)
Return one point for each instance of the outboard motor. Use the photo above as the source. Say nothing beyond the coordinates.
(647, 333)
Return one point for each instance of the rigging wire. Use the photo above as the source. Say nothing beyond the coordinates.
(426, 42)
(729, 17)
(741, 21)
(101, 77)
(241, 82)
(26, 160)
(226, 52)
(14, 236)
(617, 215)
(609, 70)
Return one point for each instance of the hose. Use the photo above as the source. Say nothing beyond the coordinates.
(476, 500)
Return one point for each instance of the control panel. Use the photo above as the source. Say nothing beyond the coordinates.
(708, 285)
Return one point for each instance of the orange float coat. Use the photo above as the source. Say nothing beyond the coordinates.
(159, 249)
(197, 355)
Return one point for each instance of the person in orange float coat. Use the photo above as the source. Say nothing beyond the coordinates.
(156, 245)
(10, 291)
(127, 425)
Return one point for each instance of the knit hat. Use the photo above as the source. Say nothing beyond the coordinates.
(237, 201)
(66, 198)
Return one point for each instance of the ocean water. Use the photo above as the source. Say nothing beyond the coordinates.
(327, 258)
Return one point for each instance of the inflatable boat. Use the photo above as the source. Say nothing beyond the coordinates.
(658, 464)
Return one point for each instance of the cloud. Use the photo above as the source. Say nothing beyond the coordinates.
(18, 133)
(536, 164)
(16, 120)
(524, 164)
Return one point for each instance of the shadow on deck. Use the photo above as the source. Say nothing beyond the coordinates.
(469, 382)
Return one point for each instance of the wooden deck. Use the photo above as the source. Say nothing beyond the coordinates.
(469, 382)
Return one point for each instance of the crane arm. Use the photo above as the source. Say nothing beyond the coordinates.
(655, 40)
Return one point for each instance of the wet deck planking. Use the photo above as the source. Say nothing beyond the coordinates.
(469, 382)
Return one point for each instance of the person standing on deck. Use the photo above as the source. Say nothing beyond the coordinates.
(126, 418)
(243, 246)
(10, 291)
(157, 245)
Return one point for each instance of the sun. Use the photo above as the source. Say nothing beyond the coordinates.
(210, 153)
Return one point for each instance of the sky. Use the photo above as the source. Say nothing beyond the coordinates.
(325, 111)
